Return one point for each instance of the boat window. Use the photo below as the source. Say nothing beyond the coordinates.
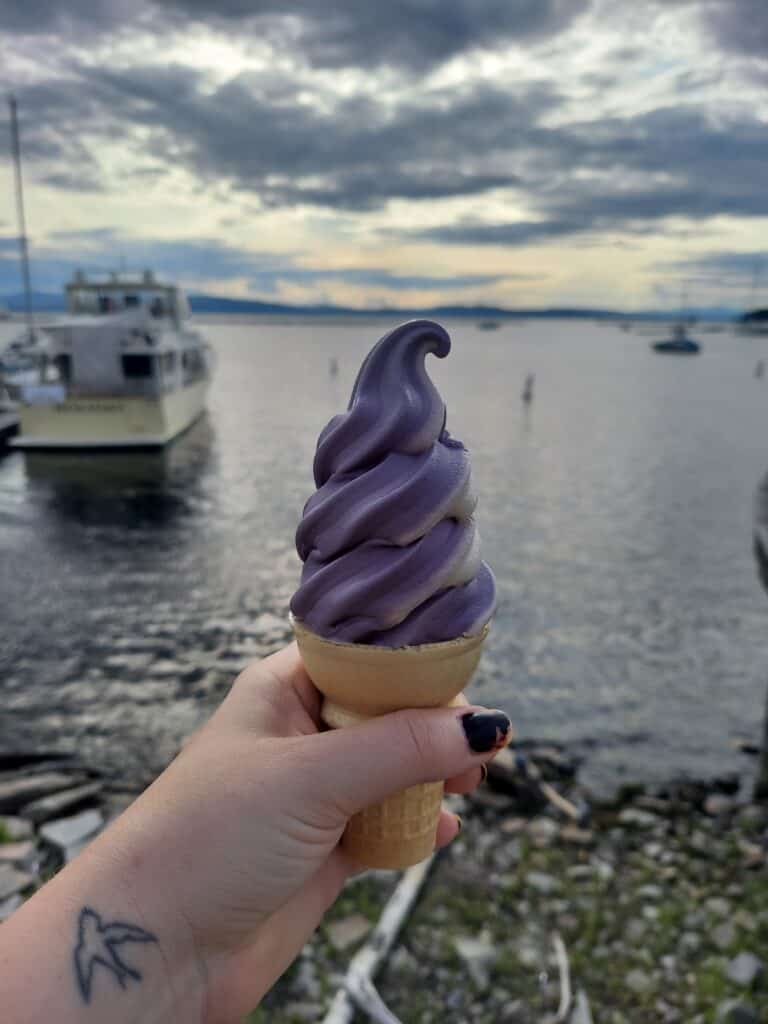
(157, 308)
(63, 363)
(131, 301)
(137, 366)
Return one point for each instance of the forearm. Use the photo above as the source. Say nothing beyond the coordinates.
(100, 943)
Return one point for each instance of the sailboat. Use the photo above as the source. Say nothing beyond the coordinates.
(680, 343)
(124, 368)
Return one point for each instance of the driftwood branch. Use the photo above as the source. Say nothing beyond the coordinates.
(563, 967)
(582, 1013)
(559, 801)
(358, 990)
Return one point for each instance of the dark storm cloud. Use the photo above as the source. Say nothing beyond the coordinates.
(739, 26)
(281, 136)
(74, 17)
(413, 34)
(259, 132)
(634, 173)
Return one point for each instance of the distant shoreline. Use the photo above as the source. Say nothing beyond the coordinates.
(48, 302)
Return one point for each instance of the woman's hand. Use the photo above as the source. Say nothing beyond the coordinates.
(231, 857)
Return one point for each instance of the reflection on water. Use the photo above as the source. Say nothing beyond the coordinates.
(615, 509)
(761, 531)
(126, 489)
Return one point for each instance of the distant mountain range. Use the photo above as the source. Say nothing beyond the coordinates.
(49, 302)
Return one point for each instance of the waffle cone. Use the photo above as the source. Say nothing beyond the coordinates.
(359, 681)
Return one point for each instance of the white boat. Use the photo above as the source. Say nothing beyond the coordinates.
(122, 370)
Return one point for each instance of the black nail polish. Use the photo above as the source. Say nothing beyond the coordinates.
(485, 729)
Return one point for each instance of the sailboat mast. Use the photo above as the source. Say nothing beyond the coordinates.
(22, 221)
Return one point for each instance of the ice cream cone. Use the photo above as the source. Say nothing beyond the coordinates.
(359, 681)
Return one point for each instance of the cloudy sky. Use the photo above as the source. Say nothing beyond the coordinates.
(520, 152)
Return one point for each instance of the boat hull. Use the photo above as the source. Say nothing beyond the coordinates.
(111, 421)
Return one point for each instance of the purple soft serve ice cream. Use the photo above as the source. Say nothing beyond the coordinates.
(389, 544)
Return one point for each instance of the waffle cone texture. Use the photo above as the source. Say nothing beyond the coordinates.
(360, 681)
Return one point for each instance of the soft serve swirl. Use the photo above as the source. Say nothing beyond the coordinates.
(389, 544)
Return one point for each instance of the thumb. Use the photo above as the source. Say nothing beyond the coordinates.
(363, 764)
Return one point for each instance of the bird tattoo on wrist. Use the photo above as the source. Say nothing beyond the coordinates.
(99, 944)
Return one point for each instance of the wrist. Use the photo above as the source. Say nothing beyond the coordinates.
(132, 862)
(99, 936)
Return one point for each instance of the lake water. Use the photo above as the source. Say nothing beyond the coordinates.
(616, 512)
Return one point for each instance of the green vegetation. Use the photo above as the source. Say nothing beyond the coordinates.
(651, 917)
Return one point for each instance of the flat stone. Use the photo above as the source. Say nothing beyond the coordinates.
(307, 980)
(580, 872)
(724, 935)
(53, 806)
(15, 828)
(636, 929)
(503, 770)
(513, 826)
(138, 662)
(650, 892)
(753, 814)
(754, 855)
(66, 832)
(690, 942)
(640, 982)
(635, 818)
(577, 836)
(603, 869)
(734, 1012)
(716, 805)
(543, 831)
(543, 883)
(744, 969)
(15, 793)
(490, 798)
(8, 906)
(742, 918)
(13, 881)
(17, 853)
(348, 930)
(478, 957)
(653, 850)
(301, 1011)
(718, 905)
(403, 961)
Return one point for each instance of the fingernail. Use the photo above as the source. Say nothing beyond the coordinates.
(459, 822)
(485, 730)
(483, 773)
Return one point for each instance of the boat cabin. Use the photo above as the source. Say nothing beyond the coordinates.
(116, 294)
(124, 336)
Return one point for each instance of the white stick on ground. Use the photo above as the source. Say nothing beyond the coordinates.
(582, 1013)
(566, 998)
(559, 800)
(359, 991)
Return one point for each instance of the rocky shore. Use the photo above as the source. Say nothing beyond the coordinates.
(660, 899)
